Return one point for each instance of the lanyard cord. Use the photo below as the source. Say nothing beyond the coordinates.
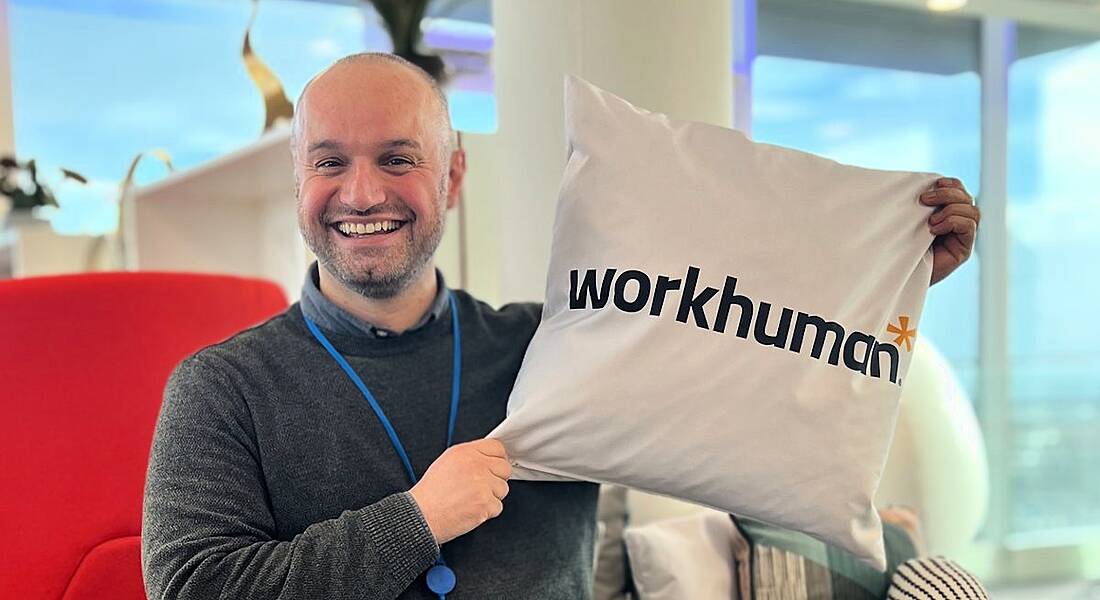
(440, 577)
(456, 379)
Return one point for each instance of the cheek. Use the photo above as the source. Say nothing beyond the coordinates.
(421, 196)
(313, 196)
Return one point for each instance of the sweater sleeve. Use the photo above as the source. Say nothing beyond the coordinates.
(208, 530)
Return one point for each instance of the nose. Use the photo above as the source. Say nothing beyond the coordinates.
(362, 188)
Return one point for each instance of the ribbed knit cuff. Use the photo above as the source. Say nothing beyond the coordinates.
(400, 536)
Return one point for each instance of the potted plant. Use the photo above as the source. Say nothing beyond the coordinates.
(402, 21)
(21, 190)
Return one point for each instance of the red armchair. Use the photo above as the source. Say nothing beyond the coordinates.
(83, 363)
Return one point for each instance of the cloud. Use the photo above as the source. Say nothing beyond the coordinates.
(324, 48)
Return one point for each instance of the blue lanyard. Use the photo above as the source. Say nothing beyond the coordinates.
(441, 579)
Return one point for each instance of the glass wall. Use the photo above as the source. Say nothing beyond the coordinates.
(97, 81)
(886, 119)
(896, 104)
(1054, 259)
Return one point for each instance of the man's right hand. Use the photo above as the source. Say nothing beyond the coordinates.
(463, 488)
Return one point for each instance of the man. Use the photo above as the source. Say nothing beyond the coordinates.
(272, 473)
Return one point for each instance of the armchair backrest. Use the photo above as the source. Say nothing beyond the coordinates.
(83, 363)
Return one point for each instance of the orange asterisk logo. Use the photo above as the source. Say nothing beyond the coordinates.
(903, 332)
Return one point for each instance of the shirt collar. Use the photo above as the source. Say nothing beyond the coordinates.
(327, 315)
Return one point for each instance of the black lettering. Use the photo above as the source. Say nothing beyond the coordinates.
(851, 360)
(729, 296)
(865, 359)
(588, 288)
(892, 351)
(692, 302)
(779, 339)
(640, 300)
(823, 328)
(664, 285)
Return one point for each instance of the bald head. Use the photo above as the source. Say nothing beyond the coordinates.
(375, 174)
(370, 73)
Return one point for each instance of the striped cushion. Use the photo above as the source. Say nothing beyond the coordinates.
(778, 564)
(934, 579)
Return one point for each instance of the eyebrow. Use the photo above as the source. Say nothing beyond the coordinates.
(323, 145)
(400, 143)
(386, 145)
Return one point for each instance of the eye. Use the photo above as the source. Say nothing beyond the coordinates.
(399, 161)
(328, 163)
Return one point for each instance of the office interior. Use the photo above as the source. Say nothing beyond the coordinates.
(162, 151)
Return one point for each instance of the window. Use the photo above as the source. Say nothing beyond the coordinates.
(1054, 234)
(879, 117)
(96, 81)
(891, 100)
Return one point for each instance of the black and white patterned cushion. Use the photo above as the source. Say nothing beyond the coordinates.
(934, 579)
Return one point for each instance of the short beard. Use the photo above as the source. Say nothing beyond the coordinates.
(372, 283)
(376, 286)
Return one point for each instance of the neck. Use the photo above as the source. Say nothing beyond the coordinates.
(396, 314)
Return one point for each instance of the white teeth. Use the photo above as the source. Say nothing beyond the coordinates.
(367, 228)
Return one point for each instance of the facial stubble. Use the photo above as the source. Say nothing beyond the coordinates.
(384, 279)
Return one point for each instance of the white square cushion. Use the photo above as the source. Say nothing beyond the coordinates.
(687, 557)
(726, 322)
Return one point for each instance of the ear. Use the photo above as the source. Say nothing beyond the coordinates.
(456, 175)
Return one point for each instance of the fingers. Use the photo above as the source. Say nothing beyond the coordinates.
(500, 468)
(490, 447)
(968, 211)
(500, 489)
(966, 228)
(948, 182)
(953, 246)
(490, 453)
(945, 195)
(495, 509)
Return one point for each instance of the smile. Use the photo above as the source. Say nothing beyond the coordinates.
(364, 229)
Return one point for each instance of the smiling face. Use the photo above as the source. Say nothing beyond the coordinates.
(375, 175)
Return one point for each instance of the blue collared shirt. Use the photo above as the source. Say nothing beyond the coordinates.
(327, 315)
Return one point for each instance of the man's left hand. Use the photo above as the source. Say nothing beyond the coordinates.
(954, 223)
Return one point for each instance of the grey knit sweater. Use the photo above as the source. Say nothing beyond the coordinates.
(270, 476)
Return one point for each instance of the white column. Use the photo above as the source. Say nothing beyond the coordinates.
(670, 57)
(744, 52)
(998, 49)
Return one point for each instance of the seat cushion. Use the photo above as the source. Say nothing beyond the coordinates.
(110, 570)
